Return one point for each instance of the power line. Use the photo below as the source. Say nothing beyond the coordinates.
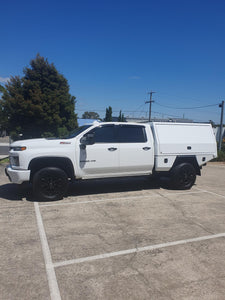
(140, 107)
(186, 107)
(164, 114)
(134, 111)
(139, 111)
(166, 106)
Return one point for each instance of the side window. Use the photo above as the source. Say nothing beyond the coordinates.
(132, 134)
(104, 134)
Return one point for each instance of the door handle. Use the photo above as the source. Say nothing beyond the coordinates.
(146, 148)
(112, 149)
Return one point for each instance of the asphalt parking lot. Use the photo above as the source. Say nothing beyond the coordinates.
(115, 239)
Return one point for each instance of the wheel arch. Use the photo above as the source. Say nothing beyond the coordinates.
(191, 159)
(63, 163)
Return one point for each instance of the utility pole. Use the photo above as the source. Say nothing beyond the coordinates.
(150, 105)
(221, 124)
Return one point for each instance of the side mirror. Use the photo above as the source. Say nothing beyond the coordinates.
(87, 139)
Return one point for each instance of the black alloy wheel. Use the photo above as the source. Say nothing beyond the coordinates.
(50, 184)
(183, 176)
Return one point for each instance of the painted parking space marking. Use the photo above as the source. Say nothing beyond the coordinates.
(50, 266)
(137, 250)
(99, 200)
(124, 198)
(52, 281)
(209, 192)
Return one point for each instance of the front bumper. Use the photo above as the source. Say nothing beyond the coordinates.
(17, 176)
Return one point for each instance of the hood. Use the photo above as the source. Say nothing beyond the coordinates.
(41, 143)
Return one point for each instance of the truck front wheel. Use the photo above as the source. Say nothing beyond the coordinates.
(50, 184)
(183, 176)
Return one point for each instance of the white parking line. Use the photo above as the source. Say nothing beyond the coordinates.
(98, 200)
(136, 250)
(52, 281)
(123, 198)
(205, 191)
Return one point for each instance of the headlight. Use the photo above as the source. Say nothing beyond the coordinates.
(22, 148)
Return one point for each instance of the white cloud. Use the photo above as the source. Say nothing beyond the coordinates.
(135, 77)
(4, 80)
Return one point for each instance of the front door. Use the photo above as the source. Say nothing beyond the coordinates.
(102, 158)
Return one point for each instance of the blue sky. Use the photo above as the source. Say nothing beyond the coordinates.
(115, 52)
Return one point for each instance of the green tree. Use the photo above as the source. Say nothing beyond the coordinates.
(2, 89)
(90, 115)
(2, 114)
(108, 114)
(121, 117)
(39, 103)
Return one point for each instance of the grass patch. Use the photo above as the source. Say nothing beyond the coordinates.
(4, 161)
(221, 156)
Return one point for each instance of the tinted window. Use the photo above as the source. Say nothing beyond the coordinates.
(132, 134)
(104, 134)
(77, 131)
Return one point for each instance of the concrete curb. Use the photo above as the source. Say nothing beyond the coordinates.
(3, 157)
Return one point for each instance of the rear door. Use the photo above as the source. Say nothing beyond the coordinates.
(136, 149)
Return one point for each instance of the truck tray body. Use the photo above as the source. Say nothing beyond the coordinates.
(182, 139)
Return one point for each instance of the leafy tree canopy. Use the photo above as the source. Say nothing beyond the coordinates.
(39, 103)
(2, 115)
(2, 89)
(108, 114)
(90, 115)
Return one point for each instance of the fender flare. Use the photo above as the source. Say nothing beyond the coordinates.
(191, 159)
(63, 163)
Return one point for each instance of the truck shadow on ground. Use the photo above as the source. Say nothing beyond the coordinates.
(11, 192)
(113, 185)
(14, 192)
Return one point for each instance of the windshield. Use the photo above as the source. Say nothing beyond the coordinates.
(77, 131)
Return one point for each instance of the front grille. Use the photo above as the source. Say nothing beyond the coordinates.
(14, 161)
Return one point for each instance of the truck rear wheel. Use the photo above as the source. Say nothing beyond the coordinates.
(183, 176)
(50, 184)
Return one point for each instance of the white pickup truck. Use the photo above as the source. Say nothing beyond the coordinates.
(101, 150)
